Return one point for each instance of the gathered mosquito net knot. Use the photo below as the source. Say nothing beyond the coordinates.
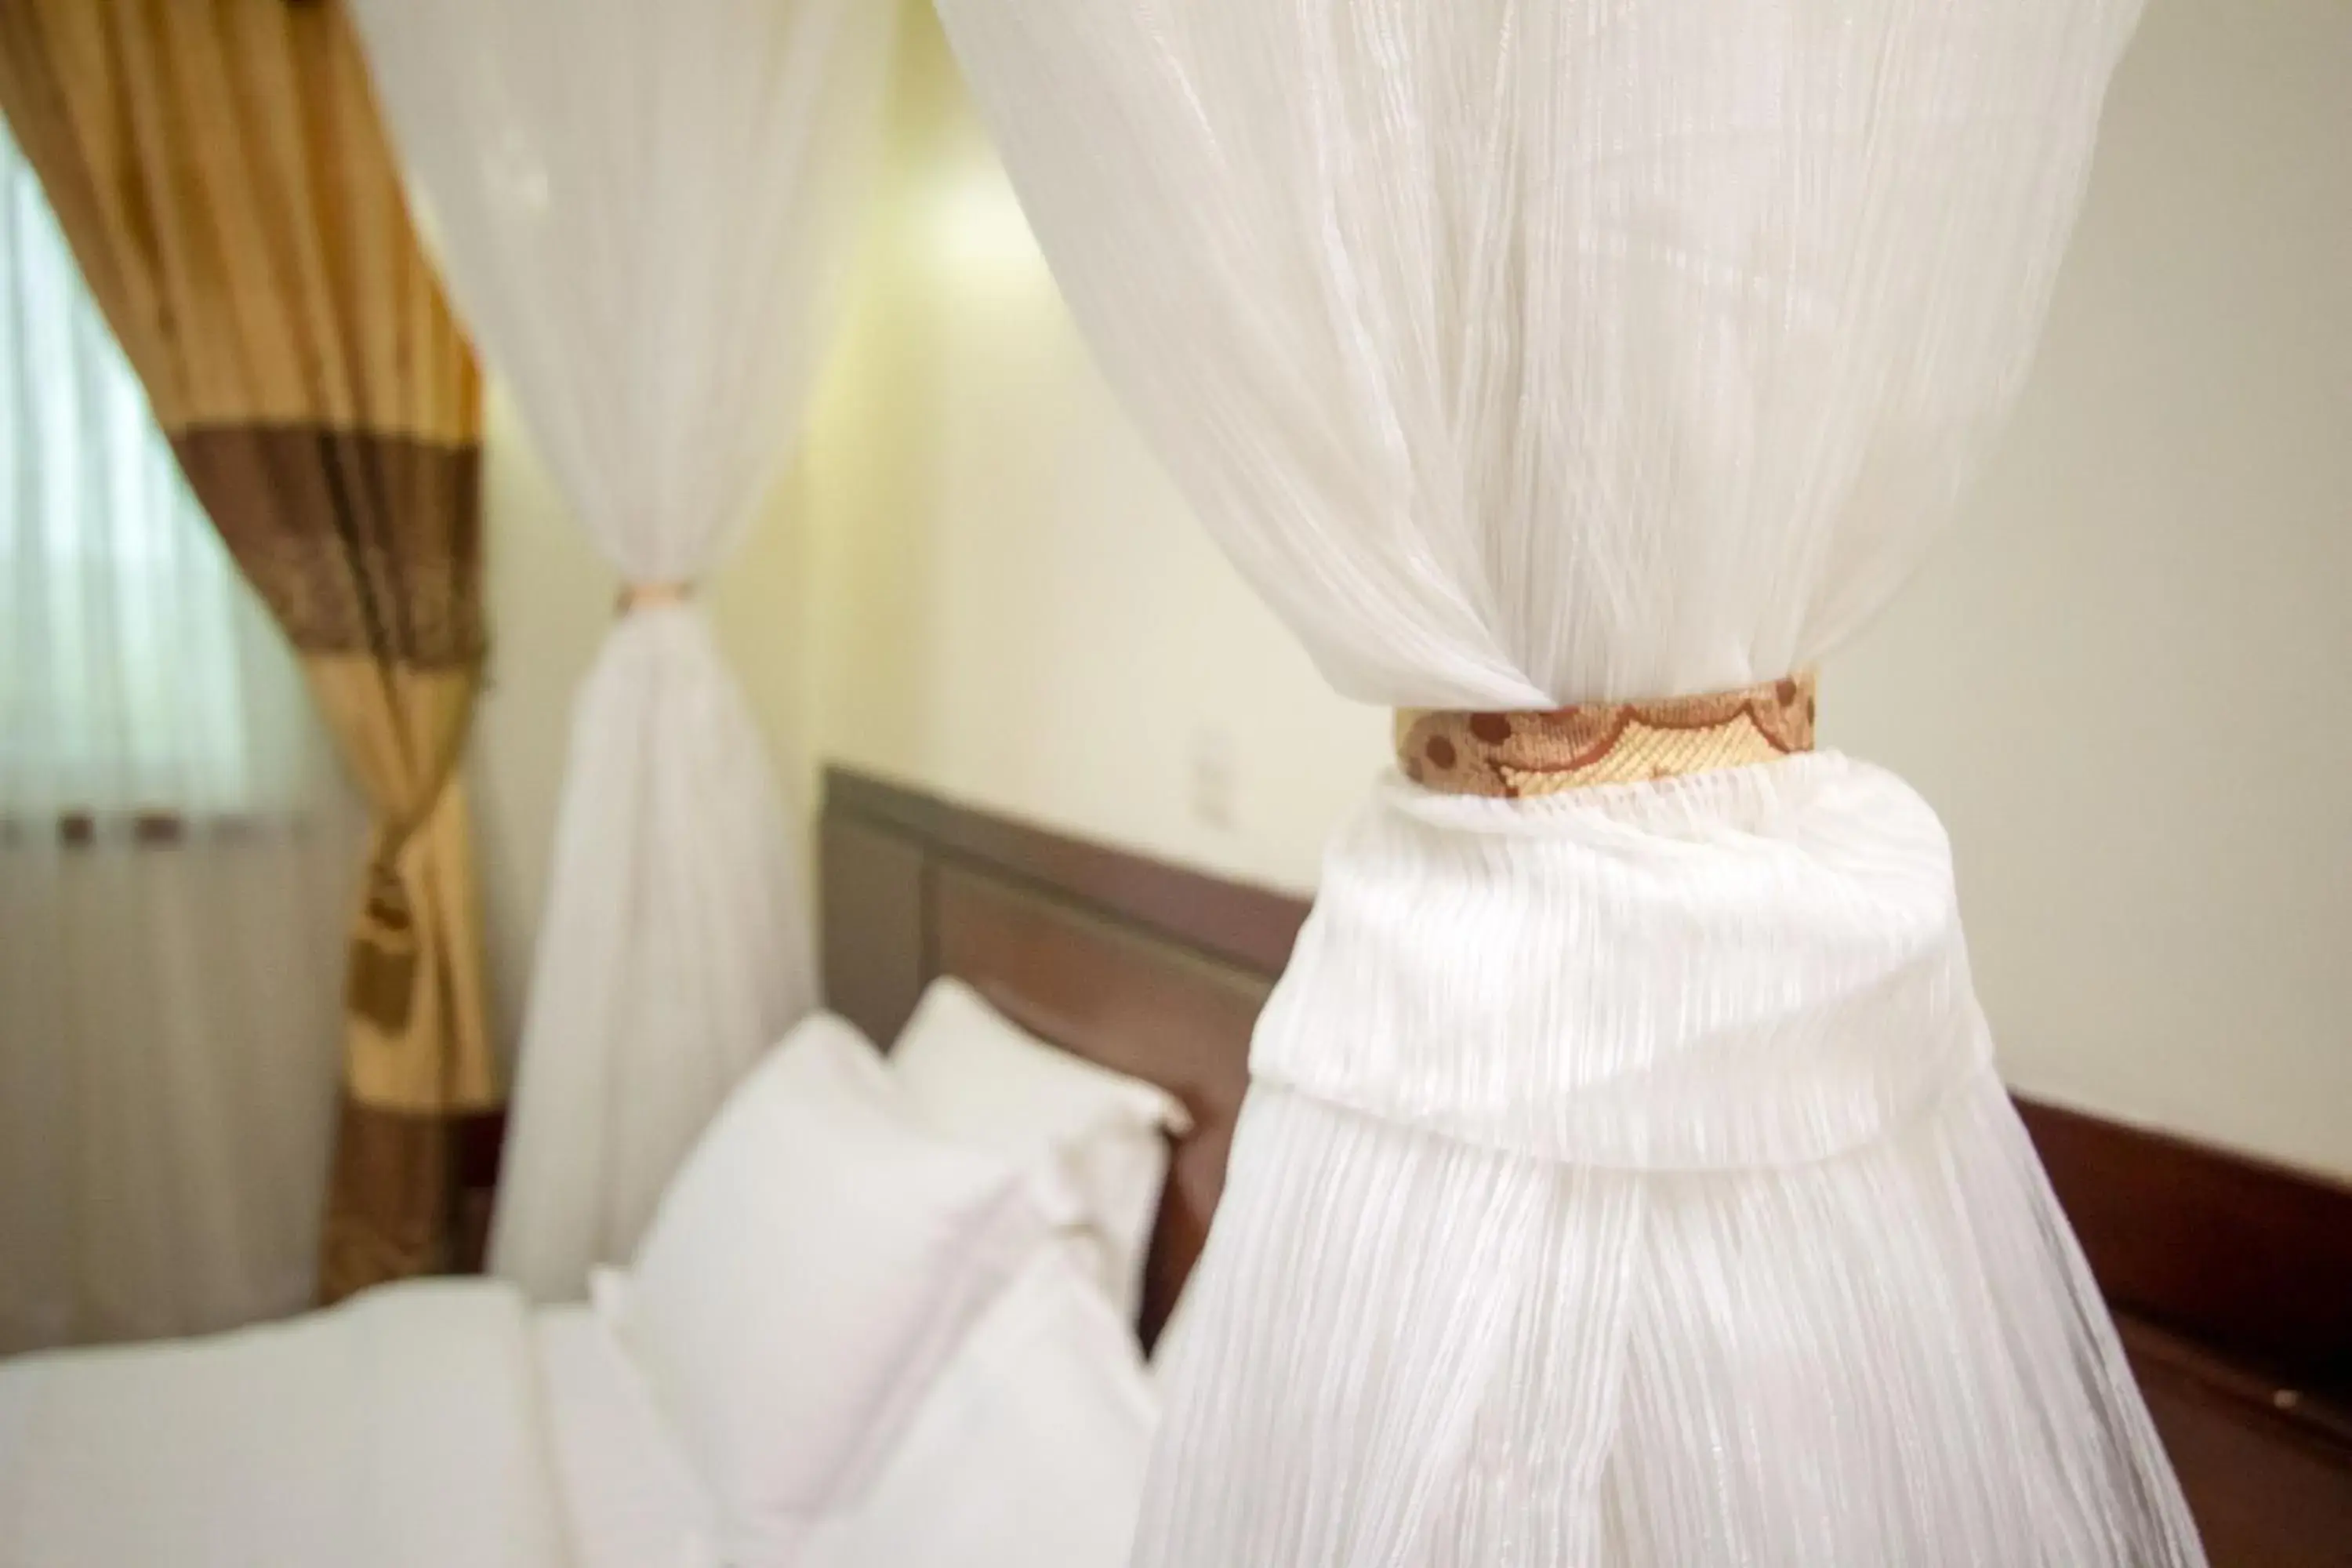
(1699, 961)
(1624, 1180)
(1736, 969)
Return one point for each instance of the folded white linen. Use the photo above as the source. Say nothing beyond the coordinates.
(1029, 1452)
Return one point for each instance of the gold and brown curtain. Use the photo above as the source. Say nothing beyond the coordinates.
(222, 177)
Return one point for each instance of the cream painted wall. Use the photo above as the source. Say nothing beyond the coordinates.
(1009, 601)
(2117, 682)
(2121, 681)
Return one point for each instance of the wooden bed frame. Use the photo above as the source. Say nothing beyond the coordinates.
(2231, 1280)
(1157, 971)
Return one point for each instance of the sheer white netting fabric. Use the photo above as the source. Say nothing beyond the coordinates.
(177, 844)
(1626, 1181)
(642, 211)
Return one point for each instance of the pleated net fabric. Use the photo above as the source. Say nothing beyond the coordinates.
(1626, 1180)
(643, 212)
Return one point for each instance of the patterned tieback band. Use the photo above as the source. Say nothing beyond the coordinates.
(651, 596)
(1513, 754)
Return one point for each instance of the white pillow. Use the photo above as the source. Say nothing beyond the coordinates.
(981, 1078)
(816, 1261)
(1029, 1451)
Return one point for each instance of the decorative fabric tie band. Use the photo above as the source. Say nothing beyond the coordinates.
(1514, 754)
(651, 596)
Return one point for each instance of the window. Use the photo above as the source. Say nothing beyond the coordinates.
(139, 679)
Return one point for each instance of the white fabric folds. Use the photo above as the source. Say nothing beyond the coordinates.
(1533, 351)
(641, 209)
(1633, 1186)
(1626, 1182)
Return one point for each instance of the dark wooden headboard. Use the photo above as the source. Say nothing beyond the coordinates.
(2231, 1280)
(1154, 970)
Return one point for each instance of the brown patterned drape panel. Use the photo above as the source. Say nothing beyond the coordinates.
(220, 172)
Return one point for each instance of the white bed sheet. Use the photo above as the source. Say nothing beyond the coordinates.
(632, 1495)
(406, 1428)
(444, 1425)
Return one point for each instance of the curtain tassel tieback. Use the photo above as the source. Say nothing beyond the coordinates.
(1509, 755)
(379, 976)
(385, 951)
(638, 597)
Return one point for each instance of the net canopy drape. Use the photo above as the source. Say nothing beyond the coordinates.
(641, 210)
(218, 168)
(1625, 1180)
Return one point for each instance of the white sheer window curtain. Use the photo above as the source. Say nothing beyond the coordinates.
(641, 210)
(175, 842)
(1625, 1181)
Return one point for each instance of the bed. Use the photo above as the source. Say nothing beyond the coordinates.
(497, 1436)
(446, 1422)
